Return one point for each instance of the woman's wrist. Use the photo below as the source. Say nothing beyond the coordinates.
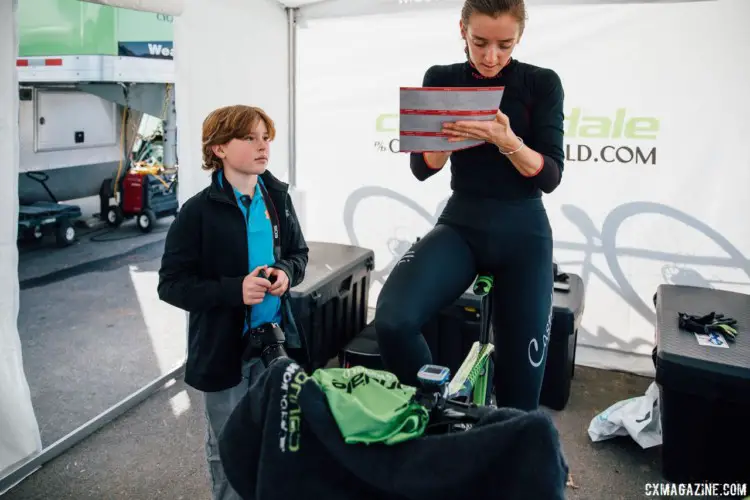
(437, 159)
(509, 144)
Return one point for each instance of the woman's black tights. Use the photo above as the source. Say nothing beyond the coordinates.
(442, 266)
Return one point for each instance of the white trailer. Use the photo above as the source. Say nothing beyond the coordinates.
(71, 119)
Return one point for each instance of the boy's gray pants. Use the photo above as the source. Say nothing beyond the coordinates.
(218, 406)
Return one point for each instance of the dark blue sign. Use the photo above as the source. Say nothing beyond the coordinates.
(151, 50)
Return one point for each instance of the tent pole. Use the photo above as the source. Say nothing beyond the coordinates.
(166, 7)
(292, 62)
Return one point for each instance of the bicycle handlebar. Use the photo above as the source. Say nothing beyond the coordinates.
(445, 411)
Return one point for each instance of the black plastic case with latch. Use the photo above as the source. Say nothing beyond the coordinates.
(704, 388)
(330, 305)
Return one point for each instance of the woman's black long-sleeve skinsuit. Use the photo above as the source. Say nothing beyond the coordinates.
(494, 222)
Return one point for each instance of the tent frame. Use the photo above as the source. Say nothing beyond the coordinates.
(35, 462)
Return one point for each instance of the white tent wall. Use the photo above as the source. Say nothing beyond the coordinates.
(660, 106)
(19, 437)
(229, 52)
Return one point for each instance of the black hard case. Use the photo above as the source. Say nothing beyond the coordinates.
(330, 305)
(567, 313)
(704, 391)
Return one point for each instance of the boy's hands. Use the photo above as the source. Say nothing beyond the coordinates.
(279, 280)
(254, 287)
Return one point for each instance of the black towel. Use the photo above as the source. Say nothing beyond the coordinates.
(283, 443)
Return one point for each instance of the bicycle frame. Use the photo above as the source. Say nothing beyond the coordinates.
(472, 377)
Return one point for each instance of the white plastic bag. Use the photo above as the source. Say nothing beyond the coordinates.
(637, 417)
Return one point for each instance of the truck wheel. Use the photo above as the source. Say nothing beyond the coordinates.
(146, 220)
(114, 216)
(65, 233)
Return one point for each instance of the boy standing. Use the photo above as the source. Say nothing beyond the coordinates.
(230, 256)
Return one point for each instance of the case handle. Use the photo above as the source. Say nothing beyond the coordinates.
(345, 286)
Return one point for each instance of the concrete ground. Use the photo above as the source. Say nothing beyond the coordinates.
(93, 333)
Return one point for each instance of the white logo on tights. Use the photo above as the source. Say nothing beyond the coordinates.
(406, 258)
(545, 338)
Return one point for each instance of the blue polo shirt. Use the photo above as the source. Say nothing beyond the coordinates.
(260, 252)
